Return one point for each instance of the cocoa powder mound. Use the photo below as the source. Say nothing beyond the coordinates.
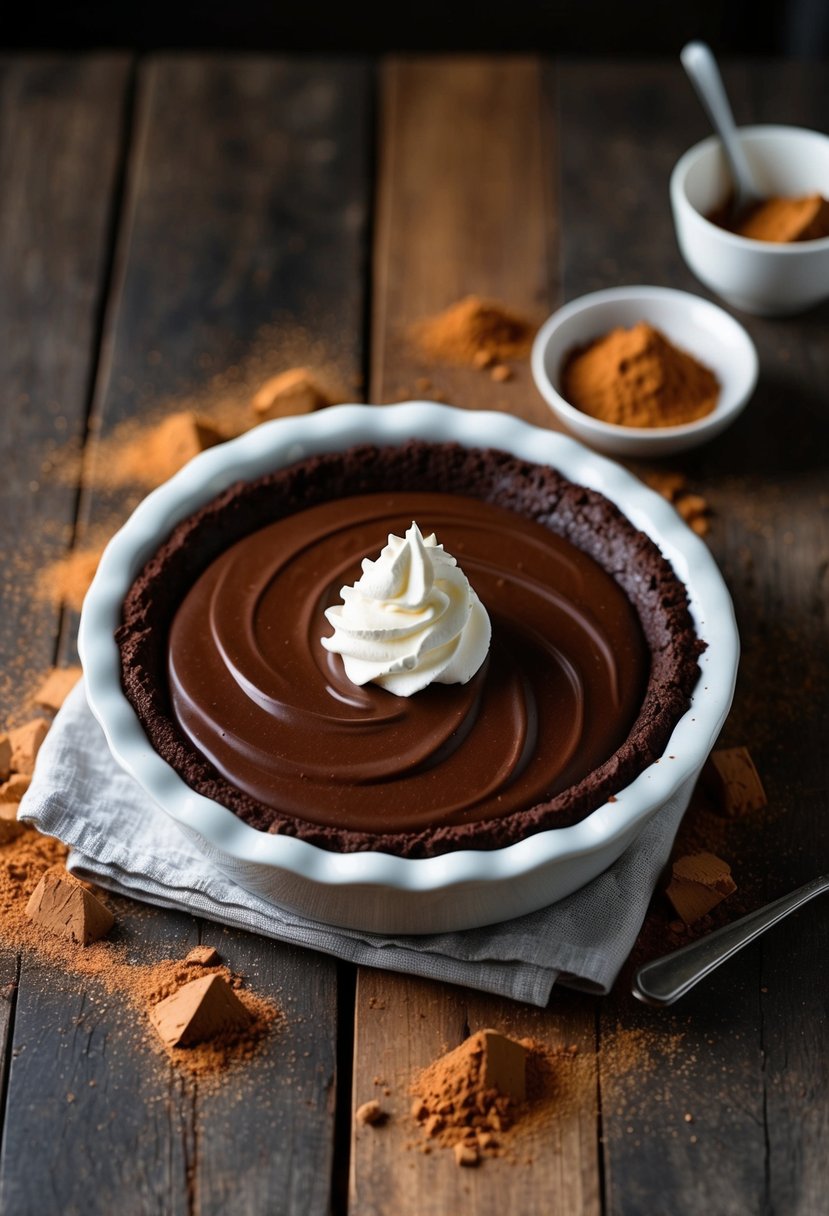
(637, 377)
(453, 1108)
(474, 331)
(451, 1102)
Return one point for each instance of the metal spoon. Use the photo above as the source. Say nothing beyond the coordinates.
(702, 70)
(666, 979)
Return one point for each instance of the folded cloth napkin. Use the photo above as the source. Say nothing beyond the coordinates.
(119, 839)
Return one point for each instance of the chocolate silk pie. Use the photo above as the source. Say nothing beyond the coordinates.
(592, 660)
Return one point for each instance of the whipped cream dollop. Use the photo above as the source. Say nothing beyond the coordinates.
(410, 620)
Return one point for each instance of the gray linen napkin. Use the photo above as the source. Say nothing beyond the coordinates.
(119, 839)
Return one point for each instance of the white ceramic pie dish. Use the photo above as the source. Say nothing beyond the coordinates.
(376, 891)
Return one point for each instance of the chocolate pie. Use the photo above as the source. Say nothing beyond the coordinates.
(592, 661)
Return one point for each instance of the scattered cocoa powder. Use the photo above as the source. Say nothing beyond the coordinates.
(637, 377)
(31, 856)
(706, 827)
(134, 453)
(41, 915)
(476, 332)
(693, 507)
(67, 580)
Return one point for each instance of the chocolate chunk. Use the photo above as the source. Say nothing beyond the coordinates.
(504, 1065)
(199, 1011)
(700, 881)
(178, 439)
(292, 392)
(5, 757)
(466, 1154)
(10, 828)
(731, 779)
(12, 791)
(202, 956)
(370, 1113)
(56, 687)
(25, 742)
(64, 907)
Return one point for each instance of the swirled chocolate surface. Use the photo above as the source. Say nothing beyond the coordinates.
(258, 694)
(593, 659)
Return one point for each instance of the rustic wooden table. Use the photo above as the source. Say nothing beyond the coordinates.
(153, 216)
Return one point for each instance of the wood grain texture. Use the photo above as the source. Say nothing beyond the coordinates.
(242, 250)
(264, 1140)
(60, 140)
(742, 1056)
(551, 1164)
(97, 1121)
(775, 553)
(466, 165)
(465, 206)
(246, 203)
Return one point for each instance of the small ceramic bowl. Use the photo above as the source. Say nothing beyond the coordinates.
(377, 891)
(691, 323)
(757, 276)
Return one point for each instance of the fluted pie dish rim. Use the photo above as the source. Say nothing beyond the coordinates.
(380, 891)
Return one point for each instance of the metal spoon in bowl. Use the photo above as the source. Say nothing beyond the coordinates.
(666, 979)
(702, 70)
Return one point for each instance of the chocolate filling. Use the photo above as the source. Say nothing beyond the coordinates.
(592, 660)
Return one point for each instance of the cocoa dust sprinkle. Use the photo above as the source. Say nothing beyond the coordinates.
(23, 863)
(474, 331)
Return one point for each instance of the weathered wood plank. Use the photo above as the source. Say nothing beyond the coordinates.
(776, 556)
(278, 1113)
(60, 138)
(246, 205)
(465, 206)
(745, 1149)
(402, 1026)
(96, 1119)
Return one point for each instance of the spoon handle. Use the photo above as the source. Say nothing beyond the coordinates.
(701, 68)
(666, 979)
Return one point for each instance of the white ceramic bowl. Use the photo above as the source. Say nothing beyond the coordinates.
(756, 276)
(375, 891)
(691, 323)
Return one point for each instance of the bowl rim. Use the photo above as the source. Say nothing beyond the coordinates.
(282, 442)
(658, 436)
(680, 198)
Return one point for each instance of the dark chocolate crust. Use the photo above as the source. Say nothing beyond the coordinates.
(580, 515)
